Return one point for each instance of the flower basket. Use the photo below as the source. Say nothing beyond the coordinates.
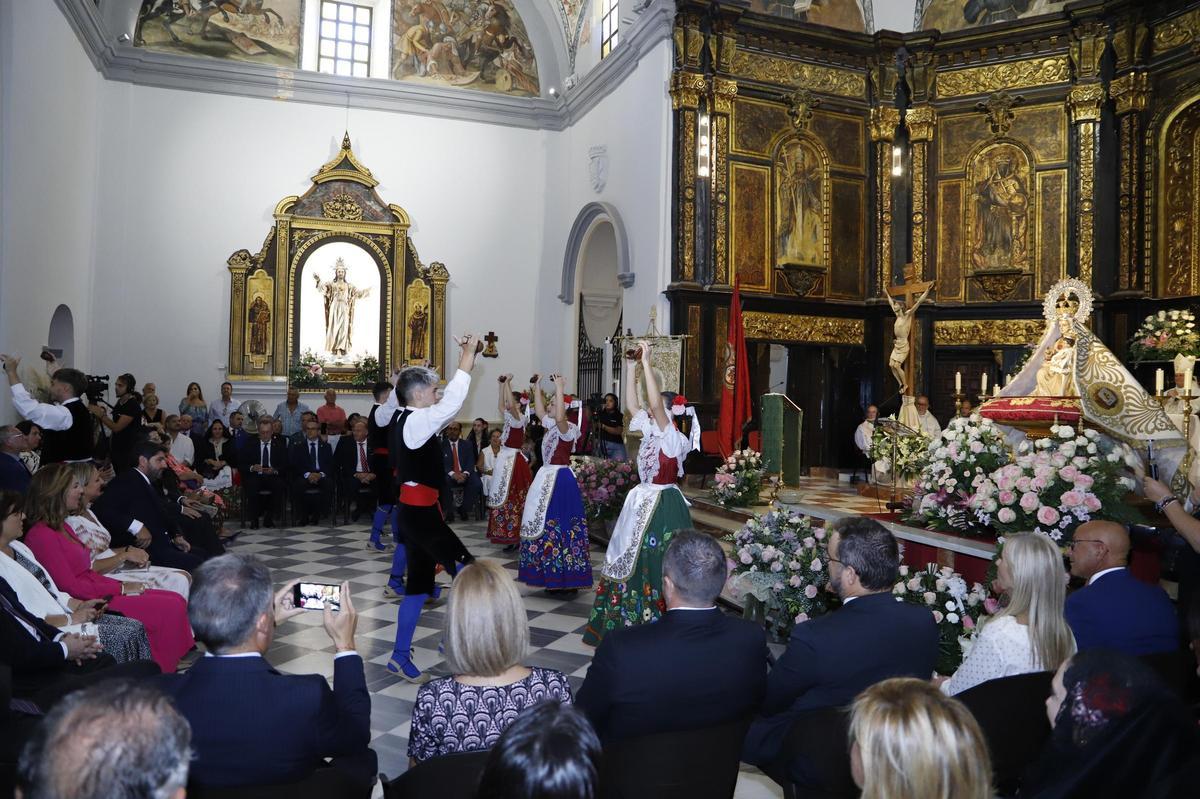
(604, 485)
(962, 457)
(911, 453)
(739, 479)
(1164, 335)
(955, 605)
(307, 372)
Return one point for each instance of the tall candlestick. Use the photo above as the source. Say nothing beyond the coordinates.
(983, 383)
(1158, 381)
(995, 391)
(958, 382)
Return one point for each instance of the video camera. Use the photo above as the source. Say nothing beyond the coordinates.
(97, 388)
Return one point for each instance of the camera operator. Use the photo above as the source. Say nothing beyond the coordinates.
(67, 424)
(125, 424)
(610, 423)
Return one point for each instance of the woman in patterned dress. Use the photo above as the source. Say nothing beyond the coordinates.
(554, 535)
(487, 637)
(510, 474)
(630, 589)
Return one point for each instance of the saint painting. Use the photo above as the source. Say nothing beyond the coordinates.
(418, 329)
(340, 297)
(799, 214)
(259, 318)
(952, 15)
(1000, 197)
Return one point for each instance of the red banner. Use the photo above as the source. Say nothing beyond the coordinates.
(735, 394)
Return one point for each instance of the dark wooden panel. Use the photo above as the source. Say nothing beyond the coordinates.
(848, 247)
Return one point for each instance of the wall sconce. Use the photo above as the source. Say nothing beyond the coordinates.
(897, 161)
(703, 146)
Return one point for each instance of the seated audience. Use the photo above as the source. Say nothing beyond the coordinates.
(262, 462)
(831, 659)
(222, 408)
(549, 752)
(487, 637)
(462, 473)
(311, 462)
(125, 426)
(1030, 633)
(13, 474)
(479, 435)
(132, 510)
(353, 461)
(152, 415)
(53, 494)
(67, 424)
(487, 460)
(214, 452)
(331, 416)
(116, 741)
(128, 563)
(286, 724)
(194, 409)
(1119, 731)
(908, 741)
(120, 636)
(708, 668)
(290, 413)
(183, 449)
(31, 456)
(1115, 610)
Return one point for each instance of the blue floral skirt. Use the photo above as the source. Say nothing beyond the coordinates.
(559, 558)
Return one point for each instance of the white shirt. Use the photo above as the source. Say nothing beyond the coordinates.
(863, 436)
(32, 594)
(1003, 648)
(361, 463)
(425, 423)
(220, 409)
(929, 424)
(182, 449)
(1103, 572)
(47, 417)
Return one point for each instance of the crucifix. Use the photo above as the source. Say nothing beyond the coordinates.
(900, 361)
(491, 338)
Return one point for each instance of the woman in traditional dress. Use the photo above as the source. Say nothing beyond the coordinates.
(510, 473)
(554, 537)
(630, 590)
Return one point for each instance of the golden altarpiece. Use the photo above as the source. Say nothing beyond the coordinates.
(814, 163)
(337, 281)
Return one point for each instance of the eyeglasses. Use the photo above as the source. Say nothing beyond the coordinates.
(1084, 541)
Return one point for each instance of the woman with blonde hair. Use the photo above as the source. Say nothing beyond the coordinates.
(909, 741)
(487, 637)
(1031, 633)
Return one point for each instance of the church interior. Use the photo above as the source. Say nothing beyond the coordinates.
(931, 263)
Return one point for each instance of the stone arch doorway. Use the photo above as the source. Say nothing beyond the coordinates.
(62, 334)
(596, 271)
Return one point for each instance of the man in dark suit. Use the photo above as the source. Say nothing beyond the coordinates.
(705, 668)
(356, 478)
(1115, 610)
(134, 511)
(311, 463)
(458, 458)
(286, 725)
(830, 659)
(47, 663)
(262, 463)
(13, 474)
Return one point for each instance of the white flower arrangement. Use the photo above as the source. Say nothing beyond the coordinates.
(1164, 335)
(955, 605)
(910, 451)
(960, 459)
(739, 479)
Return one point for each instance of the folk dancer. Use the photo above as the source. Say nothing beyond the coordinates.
(511, 476)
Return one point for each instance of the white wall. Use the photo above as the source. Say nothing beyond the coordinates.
(48, 171)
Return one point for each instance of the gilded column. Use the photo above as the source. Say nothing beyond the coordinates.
(686, 89)
(1131, 94)
(1084, 102)
(723, 93)
(921, 121)
(884, 121)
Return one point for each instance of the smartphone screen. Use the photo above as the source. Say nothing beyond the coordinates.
(316, 596)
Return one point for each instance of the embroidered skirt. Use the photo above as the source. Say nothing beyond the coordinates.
(554, 542)
(504, 519)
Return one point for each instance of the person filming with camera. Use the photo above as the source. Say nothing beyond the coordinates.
(66, 424)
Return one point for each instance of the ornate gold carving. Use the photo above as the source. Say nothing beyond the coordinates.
(239, 261)
(999, 285)
(677, 37)
(1177, 32)
(1088, 133)
(726, 47)
(686, 89)
(1130, 92)
(884, 77)
(802, 280)
(884, 121)
(800, 105)
(920, 149)
(1179, 197)
(991, 332)
(345, 166)
(1084, 101)
(921, 120)
(1128, 208)
(342, 206)
(883, 179)
(693, 43)
(922, 73)
(687, 194)
(785, 72)
(1088, 42)
(998, 77)
(999, 109)
(724, 92)
(803, 329)
(721, 195)
(1129, 44)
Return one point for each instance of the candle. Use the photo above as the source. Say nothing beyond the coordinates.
(995, 391)
(958, 382)
(1007, 377)
(1158, 381)
(983, 383)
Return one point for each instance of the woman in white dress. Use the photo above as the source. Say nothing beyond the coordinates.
(1030, 634)
(127, 564)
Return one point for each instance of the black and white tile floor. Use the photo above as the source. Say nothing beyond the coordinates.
(335, 554)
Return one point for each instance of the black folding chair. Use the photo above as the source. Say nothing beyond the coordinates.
(815, 759)
(1011, 711)
(692, 764)
(447, 777)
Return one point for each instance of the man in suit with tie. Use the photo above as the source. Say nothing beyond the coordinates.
(356, 478)
(13, 474)
(286, 725)
(705, 668)
(133, 510)
(262, 463)
(1115, 610)
(832, 658)
(459, 458)
(312, 473)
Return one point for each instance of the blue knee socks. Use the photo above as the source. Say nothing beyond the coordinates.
(381, 516)
(406, 623)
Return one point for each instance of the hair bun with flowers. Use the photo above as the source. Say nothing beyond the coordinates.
(679, 405)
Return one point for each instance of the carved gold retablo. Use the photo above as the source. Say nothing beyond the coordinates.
(803, 329)
(342, 206)
(785, 72)
(989, 332)
(998, 77)
(1177, 32)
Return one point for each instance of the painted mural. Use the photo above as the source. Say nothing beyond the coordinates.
(952, 15)
(474, 45)
(845, 14)
(799, 205)
(260, 31)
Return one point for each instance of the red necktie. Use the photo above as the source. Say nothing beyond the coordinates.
(454, 452)
(362, 456)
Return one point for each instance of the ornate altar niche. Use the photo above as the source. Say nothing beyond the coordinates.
(337, 279)
(1179, 202)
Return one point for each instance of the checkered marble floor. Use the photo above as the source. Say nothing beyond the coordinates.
(339, 553)
(835, 494)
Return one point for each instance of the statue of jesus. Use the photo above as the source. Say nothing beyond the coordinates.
(340, 297)
(903, 331)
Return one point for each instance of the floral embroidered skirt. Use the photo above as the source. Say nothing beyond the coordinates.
(559, 558)
(639, 599)
(504, 522)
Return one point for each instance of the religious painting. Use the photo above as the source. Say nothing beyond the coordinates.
(416, 336)
(339, 304)
(481, 46)
(260, 290)
(801, 198)
(260, 31)
(999, 210)
(953, 15)
(845, 14)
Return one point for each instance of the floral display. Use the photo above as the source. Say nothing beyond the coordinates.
(739, 479)
(911, 453)
(967, 452)
(781, 561)
(366, 372)
(604, 484)
(1164, 335)
(307, 372)
(1058, 483)
(955, 605)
